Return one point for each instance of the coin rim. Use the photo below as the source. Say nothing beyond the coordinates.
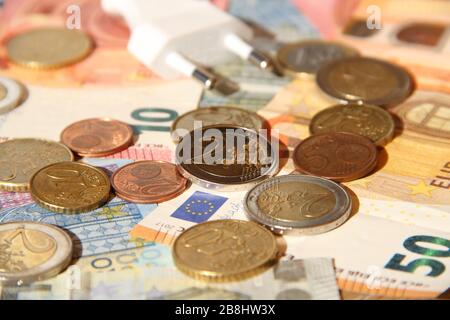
(289, 228)
(13, 97)
(216, 276)
(65, 210)
(25, 186)
(54, 269)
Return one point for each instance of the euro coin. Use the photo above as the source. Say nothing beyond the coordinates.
(184, 124)
(224, 250)
(49, 47)
(10, 94)
(226, 157)
(97, 137)
(306, 57)
(298, 204)
(32, 251)
(365, 80)
(148, 182)
(21, 158)
(369, 121)
(70, 187)
(339, 156)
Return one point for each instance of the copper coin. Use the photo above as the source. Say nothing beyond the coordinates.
(97, 137)
(148, 182)
(337, 156)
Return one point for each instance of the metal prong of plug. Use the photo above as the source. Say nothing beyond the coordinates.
(205, 77)
(261, 60)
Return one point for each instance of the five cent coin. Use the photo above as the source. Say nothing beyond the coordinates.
(32, 251)
(338, 156)
(70, 187)
(370, 121)
(306, 57)
(297, 204)
(365, 80)
(148, 182)
(97, 137)
(224, 250)
(47, 48)
(21, 158)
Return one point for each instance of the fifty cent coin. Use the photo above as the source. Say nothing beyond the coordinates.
(70, 187)
(339, 156)
(97, 137)
(306, 57)
(297, 204)
(365, 80)
(226, 157)
(369, 121)
(184, 124)
(21, 158)
(32, 251)
(148, 182)
(224, 250)
(47, 48)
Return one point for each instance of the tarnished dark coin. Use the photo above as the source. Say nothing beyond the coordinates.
(369, 121)
(365, 80)
(306, 57)
(338, 156)
(226, 157)
(425, 34)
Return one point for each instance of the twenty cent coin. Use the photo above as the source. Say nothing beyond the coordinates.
(47, 48)
(21, 158)
(224, 250)
(97, 137)
(338, 156)
(297, 204)
(365, 80)
(10, 94)
(184, 124)
(306, 57)
(148, 182)
(369, 121)
(32, 251)
(70, 187)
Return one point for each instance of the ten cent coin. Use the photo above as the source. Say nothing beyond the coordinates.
(297, 204)
(32, 251)
(10, 94)
(224, 250)
(369, 121)
(97, 137)
(70, 187)
(338, 156)
(148, 182)
(365, 80)
(21, 158)
(47, 48)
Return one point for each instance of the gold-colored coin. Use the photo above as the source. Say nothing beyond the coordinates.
(370, 121)
(32, 251)
(70, 187)
(21, 158)
(224, 250)
(2, 92)
(47, 48)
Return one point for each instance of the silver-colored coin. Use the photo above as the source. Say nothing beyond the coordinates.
(10, 94)
(307, 57)
(32, 251)
(298, 204)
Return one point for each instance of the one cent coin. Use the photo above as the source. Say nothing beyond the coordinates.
(224, 250)
(47, 48)
(298, 204)
(366, 80)
(97, 137)
(70, 187)
(338, 156)
(32, 251)
(148, 182)
(369, 121)
(21, 158)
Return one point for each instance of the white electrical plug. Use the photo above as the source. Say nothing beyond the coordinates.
(174, 37)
